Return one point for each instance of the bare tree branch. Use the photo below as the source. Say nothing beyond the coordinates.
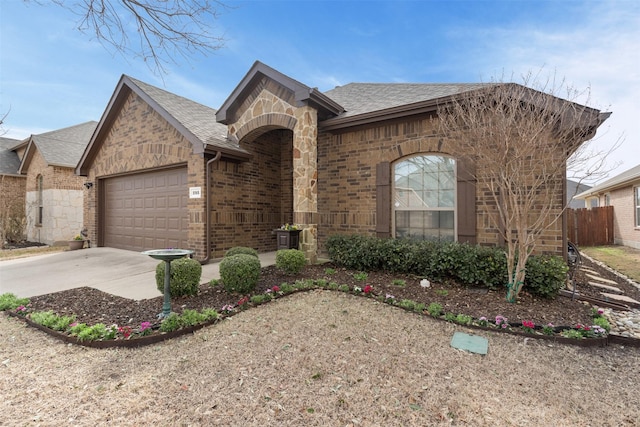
(159, 32)
(520, 138)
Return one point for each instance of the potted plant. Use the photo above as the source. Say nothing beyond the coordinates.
(76, 243)
(288, 236)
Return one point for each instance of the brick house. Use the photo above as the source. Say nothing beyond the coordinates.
(53, 193)
(12, 186)
(361, 158)
(623, 193)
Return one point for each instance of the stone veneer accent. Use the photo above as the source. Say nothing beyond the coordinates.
(62, 201)
(267, 112)
(61, 219)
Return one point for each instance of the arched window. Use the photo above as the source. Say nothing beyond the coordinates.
(425, 197)
(39, 203)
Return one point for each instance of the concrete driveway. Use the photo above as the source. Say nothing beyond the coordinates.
(124, 273)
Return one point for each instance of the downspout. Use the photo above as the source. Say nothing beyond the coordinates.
(207, 223)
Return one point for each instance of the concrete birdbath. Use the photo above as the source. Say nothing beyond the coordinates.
(167, 255)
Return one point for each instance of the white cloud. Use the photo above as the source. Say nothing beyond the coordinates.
(601, 51)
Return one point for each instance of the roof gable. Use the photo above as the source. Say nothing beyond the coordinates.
(194, 121)
(625, 178)
(62, 147)
(288, 89)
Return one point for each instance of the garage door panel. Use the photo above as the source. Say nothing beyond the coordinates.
(146, 211)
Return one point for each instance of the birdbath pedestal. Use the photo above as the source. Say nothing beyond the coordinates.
(167, 255)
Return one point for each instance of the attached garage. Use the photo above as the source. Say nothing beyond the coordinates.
(146, 211)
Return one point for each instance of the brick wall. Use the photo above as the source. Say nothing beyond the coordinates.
(12, 203)
(624, 230)
(251, 199)
(347, 180)
(139, 140)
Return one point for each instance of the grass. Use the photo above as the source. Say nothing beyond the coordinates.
(624, 259)
(21, 253)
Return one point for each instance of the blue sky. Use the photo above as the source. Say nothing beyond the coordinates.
(52, 76)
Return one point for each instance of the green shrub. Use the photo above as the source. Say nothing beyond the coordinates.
(291, 261)
(259, 299)
(92, 333)
(191, 317)
(407, 304)
(185, 277)
(241, 250)
(463, 319)
(467, 264)
(450, 317)
(545, 275)
(9, 301)
(435, 309)
(286, 288)
(602, 322)
(210, 313)
(240, 273)
(170, 323)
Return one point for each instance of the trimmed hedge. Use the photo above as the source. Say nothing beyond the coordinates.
(240, 273)
(237, 250)
(466, 264)
(291, 261)
(185, 277)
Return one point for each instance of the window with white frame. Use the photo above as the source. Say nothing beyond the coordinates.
(637, 203)
(425, 197)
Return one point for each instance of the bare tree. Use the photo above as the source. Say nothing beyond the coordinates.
(520, 139)
(2, 119)
(156, 31)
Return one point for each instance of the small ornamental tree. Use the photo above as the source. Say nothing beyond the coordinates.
(518, 141)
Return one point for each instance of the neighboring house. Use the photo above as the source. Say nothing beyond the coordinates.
(12, 189)
(54, 194)
(623, 193)
(361, 158)
(574, 188)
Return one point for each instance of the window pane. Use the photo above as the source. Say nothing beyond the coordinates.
(446, 220)
(423, 186)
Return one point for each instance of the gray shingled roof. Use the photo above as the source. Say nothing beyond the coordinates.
(9, 160)
(625, 177)
(362, 98)
(64, 147)
(198, 119)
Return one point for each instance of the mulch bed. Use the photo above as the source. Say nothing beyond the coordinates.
(92, 306)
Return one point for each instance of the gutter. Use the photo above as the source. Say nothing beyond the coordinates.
(207, 223)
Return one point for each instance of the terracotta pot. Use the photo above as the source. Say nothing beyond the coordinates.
(76, 244)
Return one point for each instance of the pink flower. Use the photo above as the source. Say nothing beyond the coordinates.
(367, 289)
(276, 288)
(144, 326)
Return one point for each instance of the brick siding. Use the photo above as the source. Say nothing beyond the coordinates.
(346, 180)
(624, 230)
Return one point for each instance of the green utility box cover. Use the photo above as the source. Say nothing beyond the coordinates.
(472, 343)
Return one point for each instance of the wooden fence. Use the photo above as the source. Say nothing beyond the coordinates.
(590, 227)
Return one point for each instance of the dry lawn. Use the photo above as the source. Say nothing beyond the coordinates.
(624, 259)
(316, 359)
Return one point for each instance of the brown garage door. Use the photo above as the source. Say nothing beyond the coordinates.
(146, 211)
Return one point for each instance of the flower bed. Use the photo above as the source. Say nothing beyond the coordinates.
(102, 336)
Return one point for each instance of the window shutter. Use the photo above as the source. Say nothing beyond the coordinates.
(383, 199)
(466, 201)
